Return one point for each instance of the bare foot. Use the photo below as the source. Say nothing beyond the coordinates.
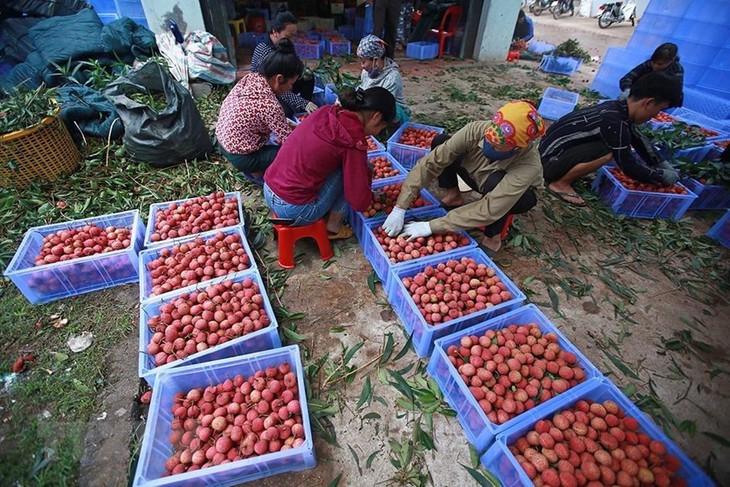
(492, 243)
(566, 193)
(452, 197)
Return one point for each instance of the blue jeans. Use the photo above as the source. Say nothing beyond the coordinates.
(329, 198)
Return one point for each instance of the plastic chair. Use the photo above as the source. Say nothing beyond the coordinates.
(288, 236)
(239, 26)
(447, 28)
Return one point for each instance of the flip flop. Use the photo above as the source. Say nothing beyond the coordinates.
(345, 232)
(561, 195)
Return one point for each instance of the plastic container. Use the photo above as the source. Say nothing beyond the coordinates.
(500, 461)
(251, 39)
(711, 106)
(711, 34)
(658, 24)
(422, 50)
(379, 148)
(147, 256)
(381, 263)
(358, 220)
(339, 47)
(479, 430)
(556, 103)
(330, 94)
(559, 65)
(711, 81)
(696, 52)
(722, 59)
(156, 447)
(646, 41)
(720, 231)
(674, 8)
(318, 96)
(709, 196)
(408, 155)
(722, 127)
(60, 280)
(309, 49)
(694, 154)
(640, 204)
(393, 162)
(263, 339)
(347, 31)
(605, 88)
(692, 73)
(152, 219)
(539, 47)
(425, 334)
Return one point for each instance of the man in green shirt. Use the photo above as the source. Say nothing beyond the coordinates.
(496, 158)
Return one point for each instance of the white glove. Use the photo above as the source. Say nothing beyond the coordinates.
(666, 165)
(311, 106)
(624, 94)
(417, 229)
(394, 223)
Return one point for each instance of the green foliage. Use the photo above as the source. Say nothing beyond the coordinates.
(25, 108)
(707, 172)
(571, 48)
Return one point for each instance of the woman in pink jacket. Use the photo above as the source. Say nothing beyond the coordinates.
(322, 167)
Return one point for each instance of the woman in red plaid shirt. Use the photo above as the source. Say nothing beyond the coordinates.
(251, 112)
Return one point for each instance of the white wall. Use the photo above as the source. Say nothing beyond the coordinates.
(496, 26)
(186, 13)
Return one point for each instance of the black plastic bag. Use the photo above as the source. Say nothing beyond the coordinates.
(165, 137)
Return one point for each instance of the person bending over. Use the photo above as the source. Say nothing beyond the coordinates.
(251, 112)
(323, 165)
(497, 158)
(379, 70)
(584, 140)
(297, 100)
(524, 30)
(665, 59)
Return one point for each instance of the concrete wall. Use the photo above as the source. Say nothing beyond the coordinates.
(186, 13)
(496, 25)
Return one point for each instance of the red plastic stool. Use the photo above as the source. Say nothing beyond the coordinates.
(505, 228)
(288, 236)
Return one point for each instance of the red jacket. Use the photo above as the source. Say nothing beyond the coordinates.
(328, 139)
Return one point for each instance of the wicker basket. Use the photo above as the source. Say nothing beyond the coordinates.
(44, 151)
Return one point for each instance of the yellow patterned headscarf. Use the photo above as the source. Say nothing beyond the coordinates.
(515, 124)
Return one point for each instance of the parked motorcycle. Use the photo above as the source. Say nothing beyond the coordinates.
(540, 5)
(563, 7)
(616, 12)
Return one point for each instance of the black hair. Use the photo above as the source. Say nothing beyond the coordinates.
(521, 14)
(665, 53)
(661, 86)
(282, 19)
(376, 99)
(282, 60)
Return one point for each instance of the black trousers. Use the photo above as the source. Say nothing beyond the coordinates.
(556, 167)
(385, 23)
(448, 179)
(303, 88)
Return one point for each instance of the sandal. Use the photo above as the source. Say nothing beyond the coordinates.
(345, 232)
(563, 196)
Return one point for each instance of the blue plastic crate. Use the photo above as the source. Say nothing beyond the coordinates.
(720, 231)
(408, 155)
(379, 148)
(500, 461)
(256, 341)
(711, 35)
(694, 154)
(709, 196)
(693, 73)
(108, 18)
(645, 41)
(539, 47)
(559, 65)
(713, 11)
(41, 284)
(422, 50)
(658, 24)
(711, 81)
(156, 446)
(104, 6)
(696, 52)
(130, 8)
(154, 208)
(693, 118)
(425, 334)
(251, 39)
(147, 256)
(358, 220)
(479, 430)
(555, 103)
(310, 49)
(318, 96)
(339, 47)
(605, 88)
(640, 204)
(394, 164)
(711, 106)
(375, 254)
(347, 31)
(722, 59)
(330, 94)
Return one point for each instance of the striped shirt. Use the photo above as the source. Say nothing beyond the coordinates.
(293, 100)
(607, 122)
(675, 69)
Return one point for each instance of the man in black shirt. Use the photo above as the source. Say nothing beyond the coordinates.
(582, 141)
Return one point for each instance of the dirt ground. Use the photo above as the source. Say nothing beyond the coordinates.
(338, 296)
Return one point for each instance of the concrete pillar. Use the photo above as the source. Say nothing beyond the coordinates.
(496, 25)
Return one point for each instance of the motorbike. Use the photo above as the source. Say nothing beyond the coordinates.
(563, 7)
(540, 5)
(616, 12)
